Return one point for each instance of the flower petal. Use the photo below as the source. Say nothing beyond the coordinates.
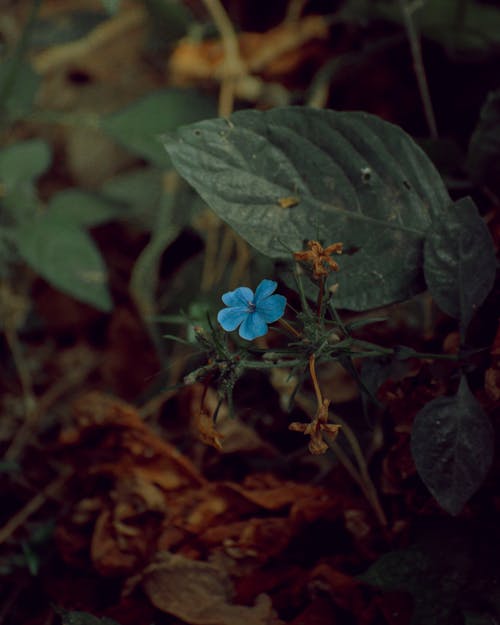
(242, 296)
(230, 318)
(272, 308)
(253, 326)
(265, 288)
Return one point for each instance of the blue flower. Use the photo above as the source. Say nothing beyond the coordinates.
(251, 312)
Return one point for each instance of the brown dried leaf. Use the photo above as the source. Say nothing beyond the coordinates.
(124, 444)
(274, 53)
(199, 593)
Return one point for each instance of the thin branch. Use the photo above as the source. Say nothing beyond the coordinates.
(418, 66)
(233, 67)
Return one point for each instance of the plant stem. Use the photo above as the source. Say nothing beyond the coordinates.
(418, 66)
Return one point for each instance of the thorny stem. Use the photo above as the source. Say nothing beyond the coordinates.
(418, 66)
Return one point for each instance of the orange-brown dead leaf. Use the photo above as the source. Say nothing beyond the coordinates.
(275, 53)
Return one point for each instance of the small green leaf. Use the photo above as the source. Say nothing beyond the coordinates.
(483, 159)
(85, 209)
(352, 177)
(67, 257)
(452, 446)
(459, 261)
(139, 126)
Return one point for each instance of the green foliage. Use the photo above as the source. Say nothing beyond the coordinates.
(459, 261)
(85, 209)
(21, 164)
(452, 446)
(138, 126)
(483, 159)
(352, 178)
(67, 257)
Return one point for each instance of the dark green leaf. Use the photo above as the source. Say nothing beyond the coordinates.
(483, 159)
(85, 209)
(67, 257)
(354, 178)
(452, 446)
(139, 126)
(459, 261)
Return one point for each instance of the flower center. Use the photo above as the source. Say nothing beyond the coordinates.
(251, 307)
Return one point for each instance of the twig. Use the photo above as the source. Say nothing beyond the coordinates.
(418, 66)
(30, 404)
(32, 506)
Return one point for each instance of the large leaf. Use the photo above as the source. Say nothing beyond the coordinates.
(66, 256)
(483, 159)
(459, 261)
(139, 126)
(347, 177)
(452, 446)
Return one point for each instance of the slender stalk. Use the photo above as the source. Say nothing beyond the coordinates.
(8, 83)
(418, 66)
(368, 485)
